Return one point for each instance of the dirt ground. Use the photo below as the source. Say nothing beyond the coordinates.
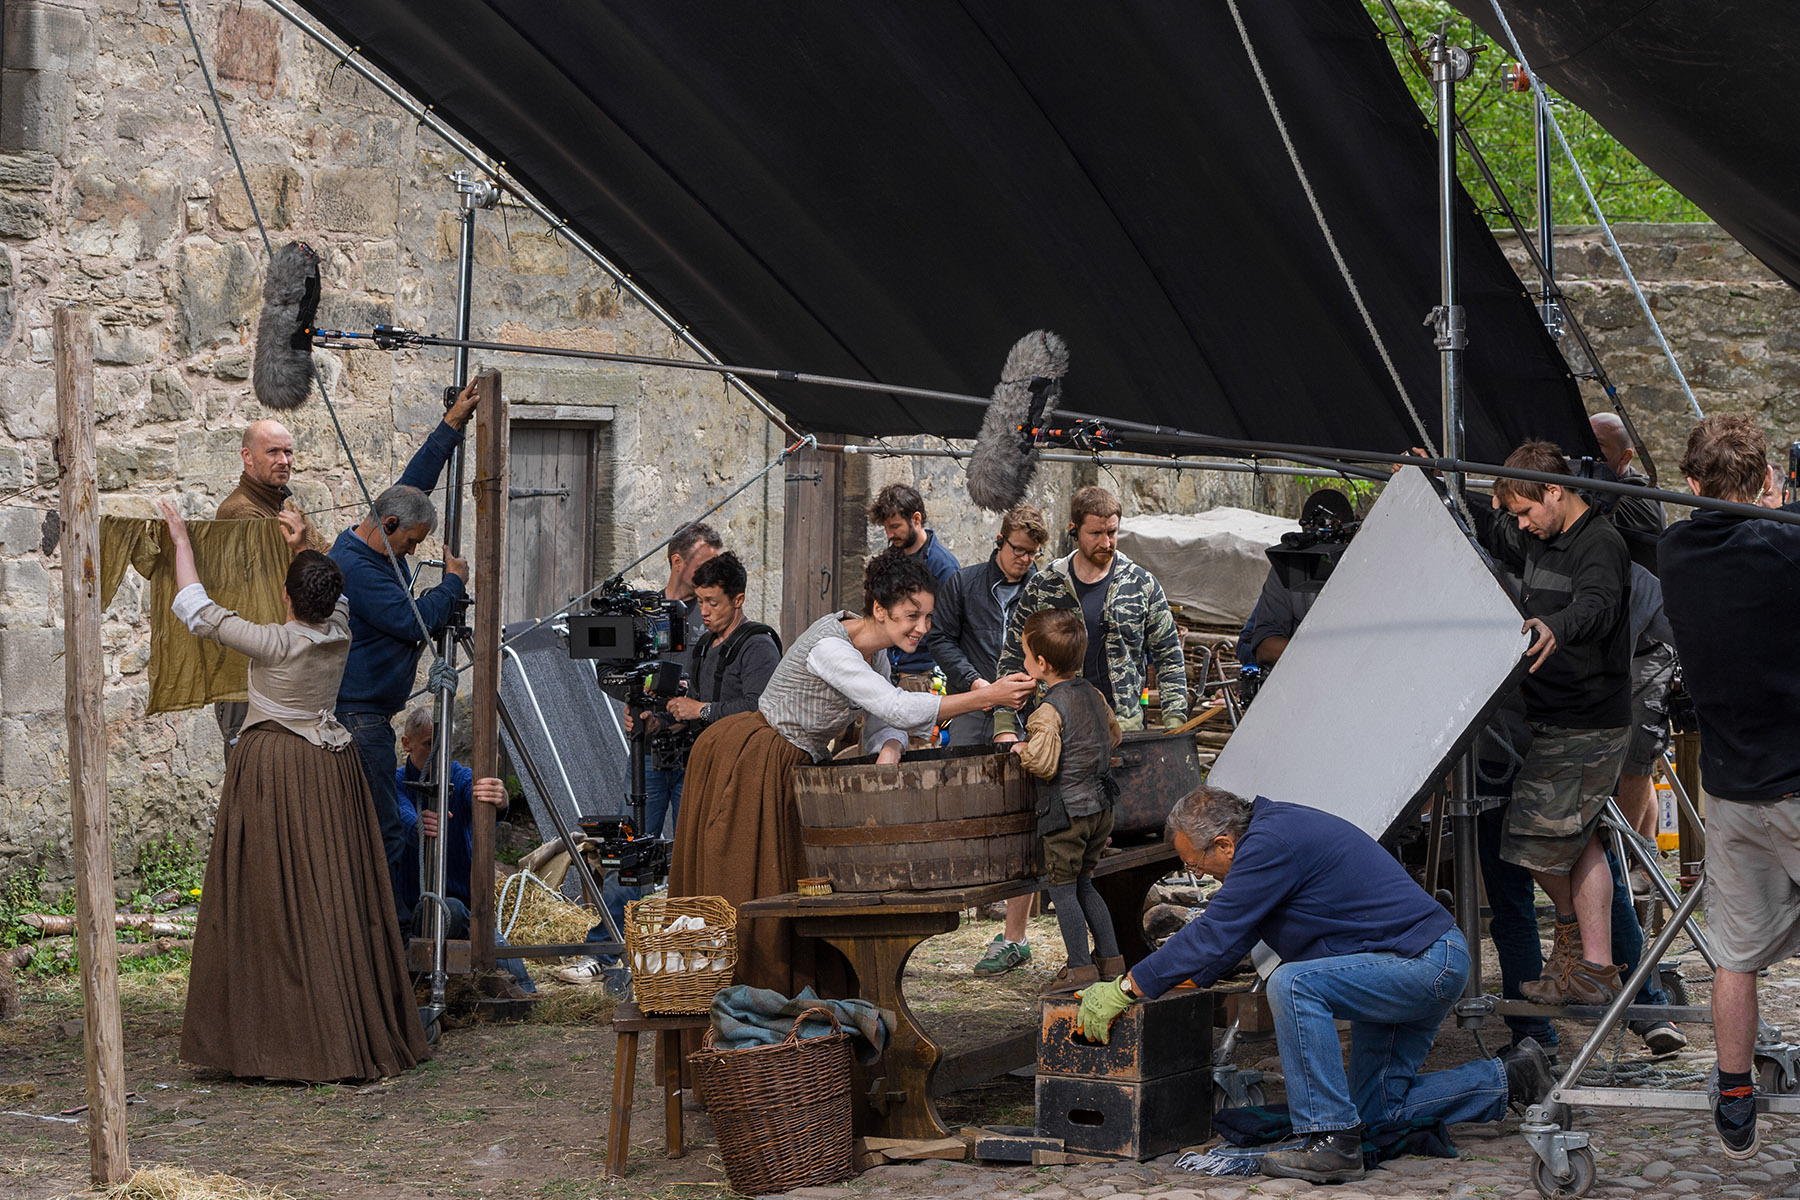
(519, 1110)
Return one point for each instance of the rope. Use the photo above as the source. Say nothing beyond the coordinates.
(1325, 228)
(205, 74)
(412, 602)
(1594, 204)
(1620, 1071)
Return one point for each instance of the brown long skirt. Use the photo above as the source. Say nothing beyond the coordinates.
(298, 970)
(739, 837)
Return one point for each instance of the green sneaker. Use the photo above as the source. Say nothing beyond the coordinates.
(1002, 956)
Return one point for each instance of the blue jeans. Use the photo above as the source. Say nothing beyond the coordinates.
(373, 734)
(662, 798)
(1395, 1006)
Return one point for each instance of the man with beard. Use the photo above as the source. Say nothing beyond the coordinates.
(900, 511)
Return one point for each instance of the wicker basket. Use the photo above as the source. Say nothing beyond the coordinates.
(781, 1112)
(678, 972)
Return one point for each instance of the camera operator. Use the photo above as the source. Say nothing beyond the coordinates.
(1326, 521)
(728, 666)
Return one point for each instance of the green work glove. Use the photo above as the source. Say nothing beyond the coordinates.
(1101, 1005)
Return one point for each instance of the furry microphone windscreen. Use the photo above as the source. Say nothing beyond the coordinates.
(1005, 454)
(283, 375)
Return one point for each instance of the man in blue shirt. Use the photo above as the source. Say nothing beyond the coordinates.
(1358, 941)
(417, 792)
(900, 511)
(385, 637)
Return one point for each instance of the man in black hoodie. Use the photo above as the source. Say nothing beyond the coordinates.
(1578, 702)
(1731, 591)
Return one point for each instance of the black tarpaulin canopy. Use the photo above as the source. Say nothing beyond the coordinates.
(1698, 91)
(898, 190)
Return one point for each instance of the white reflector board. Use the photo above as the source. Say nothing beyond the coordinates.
(1391, 674)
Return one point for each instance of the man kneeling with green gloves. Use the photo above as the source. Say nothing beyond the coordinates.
(1360, 942)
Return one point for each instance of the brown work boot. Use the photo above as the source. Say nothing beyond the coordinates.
(1111, 968)
(1565, 951)
(1583, 983)
(1070, 980)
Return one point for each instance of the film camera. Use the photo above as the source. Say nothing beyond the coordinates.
(632, 636)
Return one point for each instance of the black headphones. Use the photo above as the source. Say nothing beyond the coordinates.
(391, 525)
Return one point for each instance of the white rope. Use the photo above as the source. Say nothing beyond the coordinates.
(1325, 228)
(1594, 204)
(523, 877)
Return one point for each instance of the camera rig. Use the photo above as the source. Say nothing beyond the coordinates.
(632, 637)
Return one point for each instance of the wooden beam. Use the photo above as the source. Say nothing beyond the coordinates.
(491, 441)
(84, 667)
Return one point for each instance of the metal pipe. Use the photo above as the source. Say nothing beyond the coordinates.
(1652, 957)
(429, 118)
(1546, 227)
(1173, 464)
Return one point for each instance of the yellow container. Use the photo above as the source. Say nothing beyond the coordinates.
(1668, 824)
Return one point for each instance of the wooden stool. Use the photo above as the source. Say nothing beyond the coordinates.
(628, 1022)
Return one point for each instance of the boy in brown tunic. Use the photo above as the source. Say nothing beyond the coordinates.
(1069, 744)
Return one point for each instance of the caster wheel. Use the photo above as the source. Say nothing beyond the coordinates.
(1253, 1096)
(1769, 1079)
(1563, 1115)
(1673, 986)
(1577, 1182)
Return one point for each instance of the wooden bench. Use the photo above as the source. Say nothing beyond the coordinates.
(878, 931)
(628, 1022)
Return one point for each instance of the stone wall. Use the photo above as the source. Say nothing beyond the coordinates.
(1734, 325)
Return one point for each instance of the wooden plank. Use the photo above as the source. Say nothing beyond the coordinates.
(84, 666)
(958, 1071)
(491, 442)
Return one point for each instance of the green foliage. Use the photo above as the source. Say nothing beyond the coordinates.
(1500, 121)
(166, 864)
(24, 892)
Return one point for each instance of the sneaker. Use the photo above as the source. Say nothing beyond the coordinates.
(1528, 1077)
(1734, 1116)
(1334, 1157)
(1660, 1037)
(586, 969)
(1002, 956)
(1070, 980)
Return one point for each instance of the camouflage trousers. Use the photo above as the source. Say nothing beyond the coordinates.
(1559, 794)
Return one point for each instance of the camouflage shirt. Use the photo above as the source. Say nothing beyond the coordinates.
(1139, 629)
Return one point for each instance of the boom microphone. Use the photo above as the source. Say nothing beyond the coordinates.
(1005, 455)
(283, 374)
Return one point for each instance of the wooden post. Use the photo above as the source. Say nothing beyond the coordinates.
(83, 669)
(491, 440)
(809, 541)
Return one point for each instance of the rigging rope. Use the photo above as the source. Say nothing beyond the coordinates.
(1325, 228)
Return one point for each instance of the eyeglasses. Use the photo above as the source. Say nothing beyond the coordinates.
(1022, 551)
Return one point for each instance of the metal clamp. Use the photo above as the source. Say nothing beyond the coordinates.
(474, 191)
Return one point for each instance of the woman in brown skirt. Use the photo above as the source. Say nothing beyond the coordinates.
(739, 831)
(298, 970)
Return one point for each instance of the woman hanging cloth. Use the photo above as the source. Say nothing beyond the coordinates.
(298, 968)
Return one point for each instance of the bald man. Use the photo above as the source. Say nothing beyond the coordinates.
(262, 491)
(1639, 521)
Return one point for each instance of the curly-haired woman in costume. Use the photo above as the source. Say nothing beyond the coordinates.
(739, 835)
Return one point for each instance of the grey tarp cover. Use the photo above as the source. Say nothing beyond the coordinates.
(1210, 564)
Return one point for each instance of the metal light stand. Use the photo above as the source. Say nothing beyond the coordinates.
(473, 193)
(1449, 66)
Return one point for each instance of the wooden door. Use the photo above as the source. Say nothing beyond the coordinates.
(551, 530)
